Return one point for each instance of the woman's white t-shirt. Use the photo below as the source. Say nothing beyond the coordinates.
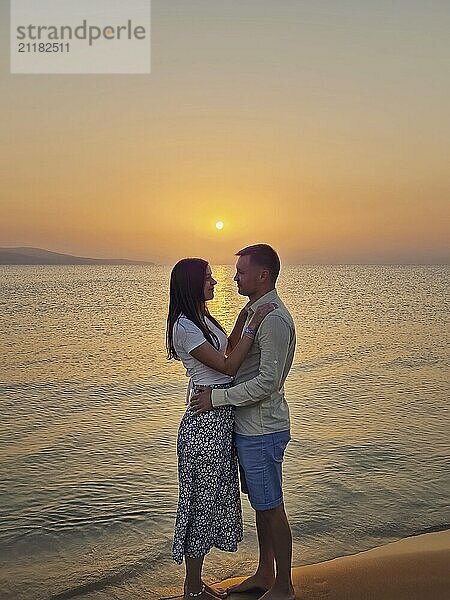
(186, 337)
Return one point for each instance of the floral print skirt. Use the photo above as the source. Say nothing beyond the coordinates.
(209, 506)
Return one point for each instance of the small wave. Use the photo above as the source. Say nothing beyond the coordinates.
(432, 529)
(319, 362)
(385, 531)
(413, 362)
(402, 531)
(75, 522)
(113, 576)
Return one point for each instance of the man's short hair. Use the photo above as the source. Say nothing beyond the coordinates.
(265, 256)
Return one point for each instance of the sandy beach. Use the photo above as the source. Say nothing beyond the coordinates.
(415, 568)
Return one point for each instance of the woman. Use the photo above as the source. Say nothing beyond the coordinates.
(209, 510)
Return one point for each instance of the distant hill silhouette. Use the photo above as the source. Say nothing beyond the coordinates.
(37, 256)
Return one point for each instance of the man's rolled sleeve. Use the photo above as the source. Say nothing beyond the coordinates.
(273, 336)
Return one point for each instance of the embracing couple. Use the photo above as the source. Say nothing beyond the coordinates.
(237, 419)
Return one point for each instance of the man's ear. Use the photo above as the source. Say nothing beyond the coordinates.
(264, 275)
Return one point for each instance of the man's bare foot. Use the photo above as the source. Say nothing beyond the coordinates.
(276, 592)
(255, 583)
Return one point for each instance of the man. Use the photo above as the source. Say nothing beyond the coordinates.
(262, 427)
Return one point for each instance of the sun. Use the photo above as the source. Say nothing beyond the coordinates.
(219, 225)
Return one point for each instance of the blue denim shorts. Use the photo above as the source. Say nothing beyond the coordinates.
(260, 467)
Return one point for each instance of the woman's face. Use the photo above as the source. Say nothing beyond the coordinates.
(210, 282)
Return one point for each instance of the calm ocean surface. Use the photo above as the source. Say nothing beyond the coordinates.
(90, 408)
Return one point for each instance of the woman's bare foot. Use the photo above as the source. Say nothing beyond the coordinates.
(207, 593)
(254, 583)
(221, 594)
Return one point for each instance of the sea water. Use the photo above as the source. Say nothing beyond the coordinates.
(90, 408)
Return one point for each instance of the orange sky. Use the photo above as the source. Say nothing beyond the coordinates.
(321, 128)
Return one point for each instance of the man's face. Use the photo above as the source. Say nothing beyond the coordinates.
(247, 276)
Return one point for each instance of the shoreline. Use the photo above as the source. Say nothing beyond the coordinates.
(413, 568)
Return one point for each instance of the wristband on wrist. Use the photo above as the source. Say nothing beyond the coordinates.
(250, 332)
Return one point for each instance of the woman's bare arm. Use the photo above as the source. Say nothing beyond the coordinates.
(235, 335)
(229, 364)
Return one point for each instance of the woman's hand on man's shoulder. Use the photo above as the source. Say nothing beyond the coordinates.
(262, 311)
